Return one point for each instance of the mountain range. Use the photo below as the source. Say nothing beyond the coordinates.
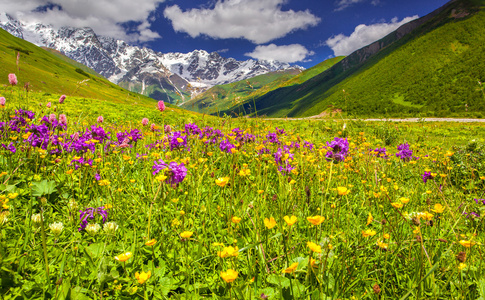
(173, 77)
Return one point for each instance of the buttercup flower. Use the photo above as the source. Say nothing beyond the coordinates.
(342, 191)
(186, 234)
(368, 232)
(151, 242)
(235, 220)
(467, 244)
(290, 220)
(291, 268)
(143, 277)
(438, 208)
(222, 181)
(269, 223)
(316, 220)
(228, 252)
(229, 276)
(314, 247)
(123, 256)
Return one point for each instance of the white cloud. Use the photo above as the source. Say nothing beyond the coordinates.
(287, 53)
(259, 21)
(363, 35)
(343, 4)
(103, 16)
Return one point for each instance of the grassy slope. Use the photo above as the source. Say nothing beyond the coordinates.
(432, 71)
(48, 73)
(225, 96)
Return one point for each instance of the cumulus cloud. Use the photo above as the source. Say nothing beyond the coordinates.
(287, 53)
(363, 35)
(255, 20)
(103, 16)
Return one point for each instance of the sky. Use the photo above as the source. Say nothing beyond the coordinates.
(302, 32)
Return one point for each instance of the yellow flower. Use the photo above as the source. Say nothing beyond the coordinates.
(291, 268)
(316, 220)
(123, 256)
(260, 191)
(438, 208)
(404, 200)
(368, 232)
(313, 263)
(386, 236)
(369, 219)
(342, 191)
(269, 223)
(244, 172)
(397, 204)
(235, 220)
(151, 242)
(186, 234)
(382, 245)
(461, 266)
(314, 247)
(229, 276)
(290, 220)
(467, 244)
(228, 252)
(222, 181)
(143, 277)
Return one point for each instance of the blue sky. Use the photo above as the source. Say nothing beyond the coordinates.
(303, 32)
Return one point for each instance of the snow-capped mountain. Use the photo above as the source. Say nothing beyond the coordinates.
(158, 75)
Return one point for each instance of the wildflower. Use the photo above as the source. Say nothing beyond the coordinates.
(12, 79)
(426, 176)
(386, 236)
(167, 128)
(222, 181)
(161, 106)
(228, 252)
(369, 219)
(339, 148)
(144, 121)
(100, 119)
(461, 266)
(368, 232)
(175, 172)
(2, 101)
(151, 242)
(89, 213)
(62, 119)
(314, 247)
(36, 220)
(404, 200)
(382, 245)
(404, 153)
(229, 276)
(186, 234)
(438, 208)
(291, 268)
(48, 105)
(62, 98)
(143, 277)
(235, 220)
(342, 191)
(109, 227)
(123, 256)
(290, 220)
(316, 220)
(92, 229)
(467, 244)
(269, 223)
(313, 263)
(397, 205)
(56, 228)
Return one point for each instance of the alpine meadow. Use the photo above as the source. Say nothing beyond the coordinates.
(258, 180)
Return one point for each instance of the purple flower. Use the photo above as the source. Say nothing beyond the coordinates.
(177, 140)
(405, 154)
(478, 201)
(380, 152)
(192, 129)
(10, 147)
(226, 146)
(340, 147)
(175, 172)
(90, 213)
(81, 162)
(426, 176)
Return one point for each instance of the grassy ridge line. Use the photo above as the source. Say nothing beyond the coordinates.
(432, 71)
(47, 73)
(223, 97)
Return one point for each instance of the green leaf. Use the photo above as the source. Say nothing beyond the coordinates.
(42, 188)
(279, 280)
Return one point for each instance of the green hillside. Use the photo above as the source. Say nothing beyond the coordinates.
(434, 70)
(53, 73)
(225, 96)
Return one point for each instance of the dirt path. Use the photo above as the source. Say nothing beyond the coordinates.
(391, 120)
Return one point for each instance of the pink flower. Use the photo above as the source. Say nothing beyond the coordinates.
(52, 118)
(62, 98)
(48, 105)
(75, 136)
(62, 119)
(161, 106)
(144, 122)
(12, 79)
(153, 127)
(167, 128)
(2, 101)
(100, 119)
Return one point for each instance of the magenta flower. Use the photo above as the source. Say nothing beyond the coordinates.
(48, 105)
(12, 79)
(175, 172)
(52, 118)
(161, 106)
(2, 101)
(62, 119)
(100, 119)
(144, 121)
(167, 128)
(62, 98)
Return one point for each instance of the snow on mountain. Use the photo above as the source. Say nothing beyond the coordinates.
(132, 66)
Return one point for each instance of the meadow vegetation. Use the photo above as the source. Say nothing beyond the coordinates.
(103, 200)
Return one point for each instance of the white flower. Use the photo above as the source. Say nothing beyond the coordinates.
(110, 227)
(92, 229)
(36, 219)
(56, 228)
